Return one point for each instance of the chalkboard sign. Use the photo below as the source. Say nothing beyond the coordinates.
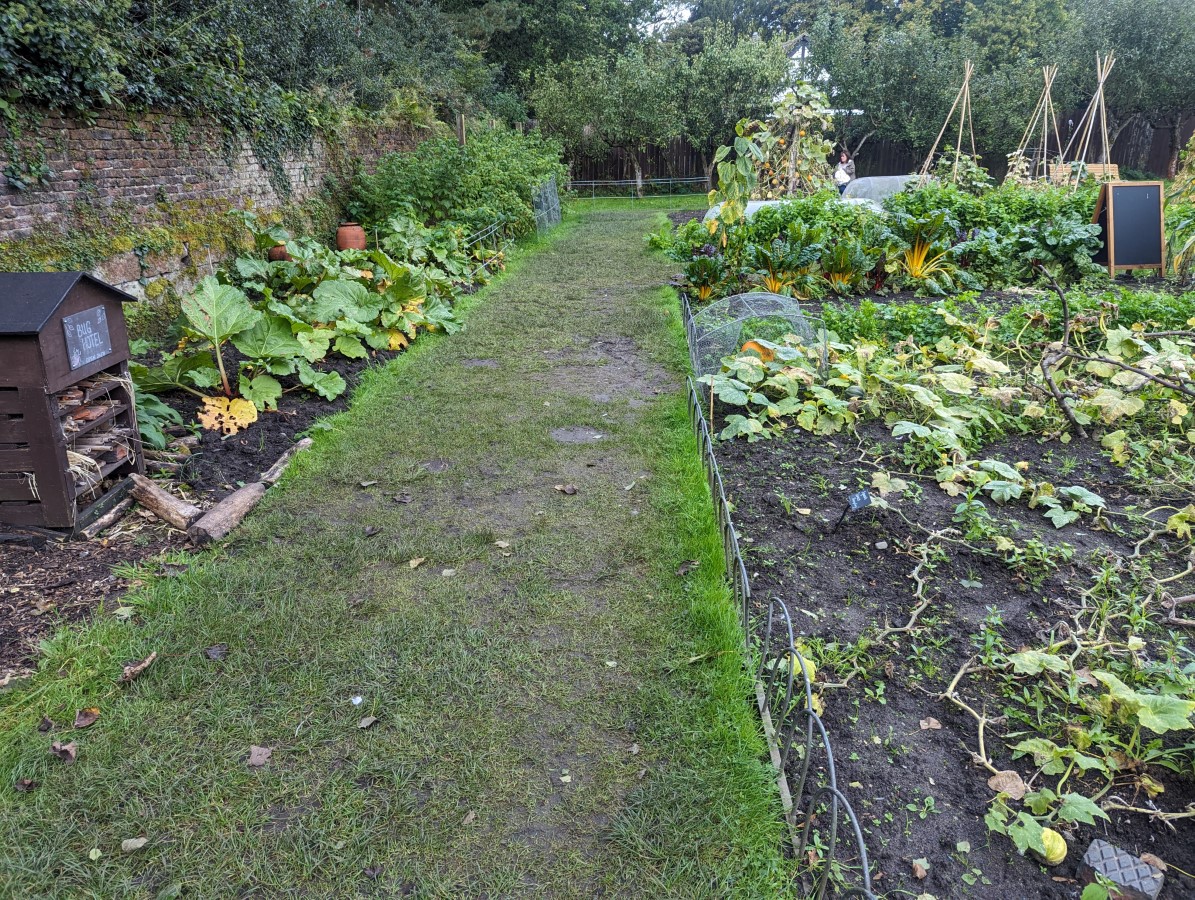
(87, 337)
(1130, 216)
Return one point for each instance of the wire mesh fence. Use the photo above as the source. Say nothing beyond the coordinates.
(545, 201)
(487, 246)
(815, 808)
(632, 190)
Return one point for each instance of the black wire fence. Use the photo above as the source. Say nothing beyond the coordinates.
(825, 833)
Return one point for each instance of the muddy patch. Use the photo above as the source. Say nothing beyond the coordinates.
(576, 434)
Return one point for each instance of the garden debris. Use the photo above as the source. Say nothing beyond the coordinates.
(259, 756)
(1008, 782)
(174, 512)
(416, 562)
(371, 530)
(227, 415)
(402, 498)
(686, 567)
(930, 724)
(25, 785)
(226, 515)
(920, 868)
(367, 484)
(367, 721)
(65, 752)
(448, 573)
(1156, 861)
(87, 717)
(45, 724)
(469, 818)
(568, 489)
(132, 845)
(502, 545)
(634, 749)
(133, 671)
(216, 652)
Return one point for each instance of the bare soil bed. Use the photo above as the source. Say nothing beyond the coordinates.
(917, 791)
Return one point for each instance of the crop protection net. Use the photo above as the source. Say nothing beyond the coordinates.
(720, 329)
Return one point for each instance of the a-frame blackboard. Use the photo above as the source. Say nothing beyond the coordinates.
(1130, 216)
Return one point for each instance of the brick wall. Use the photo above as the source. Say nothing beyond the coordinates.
(141, 162)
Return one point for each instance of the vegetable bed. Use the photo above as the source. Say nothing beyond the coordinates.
(1002, 637)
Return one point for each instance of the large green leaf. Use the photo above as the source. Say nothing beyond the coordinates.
(328, 385)
(264, 391)
(175, 372)
(270, 338)
(337, 299)
(218, 311)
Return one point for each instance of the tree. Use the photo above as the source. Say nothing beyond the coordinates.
(523, 37)
(728, 80)
(1154, 75)
(628, 102)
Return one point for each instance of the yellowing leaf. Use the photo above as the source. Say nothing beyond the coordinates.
(227, 415)
(398, 340)
(1178, 410)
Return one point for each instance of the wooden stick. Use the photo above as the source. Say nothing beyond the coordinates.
(226, 515)
(166, 507)
(107, 520)
(274, 472)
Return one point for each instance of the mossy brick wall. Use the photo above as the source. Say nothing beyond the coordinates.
(122, 177)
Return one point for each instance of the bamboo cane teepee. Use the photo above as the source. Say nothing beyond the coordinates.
(961, 105)
(1096, 109)
(1034, 158)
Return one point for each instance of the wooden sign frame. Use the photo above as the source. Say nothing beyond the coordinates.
(1106, 202)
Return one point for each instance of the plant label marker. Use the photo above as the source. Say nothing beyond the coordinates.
(855, 502)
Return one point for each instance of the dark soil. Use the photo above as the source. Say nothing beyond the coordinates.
(44, 585)
(840, 586)
(220, 464)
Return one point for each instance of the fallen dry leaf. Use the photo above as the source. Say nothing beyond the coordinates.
(804, 510)
(259, 756)
(133, 844)
(569, 489)
(919, 871)
(469, 818)
(371, 530)
(132, 672)
(1008, 782)
(448, 573)
(402, 498)
(1156, 861)
(45, 724)
(502, 545)
(634, 749)
(367, 721)
(415, 563)
(227, 414)
(1085, 677)
(65, 752)
(216, 651)
(930, 724)
(366, 484)
(24, 785)
(686, 567)
(87, 717)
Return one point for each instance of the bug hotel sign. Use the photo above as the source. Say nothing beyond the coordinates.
(87, 337)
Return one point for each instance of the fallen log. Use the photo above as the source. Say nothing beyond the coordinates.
(226, 515)
(107, 520)
(274, 472)
(166, 507)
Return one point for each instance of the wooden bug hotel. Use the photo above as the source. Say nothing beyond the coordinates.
(68, 425)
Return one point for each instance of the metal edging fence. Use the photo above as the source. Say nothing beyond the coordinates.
(492, 237)
(630, 189)
(789, 719)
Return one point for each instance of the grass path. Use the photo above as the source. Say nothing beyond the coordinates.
(541, 730)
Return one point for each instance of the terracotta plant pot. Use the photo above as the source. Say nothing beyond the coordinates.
(278, 254)
(350, 236)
